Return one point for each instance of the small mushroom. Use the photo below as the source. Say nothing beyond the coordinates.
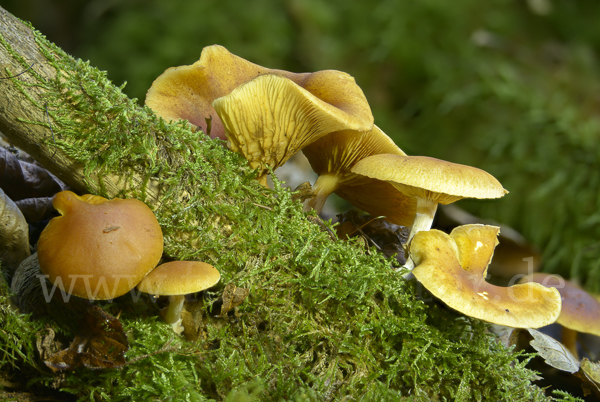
(270, 118)
(453, 268)
(580, 311)
(332, 157)
(177, 279)
(99, 248)
(431, 181)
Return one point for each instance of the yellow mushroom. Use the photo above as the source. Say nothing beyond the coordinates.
(453, 268)
(580, 311)
(430, 181)
(333, 156)
(271, 117)
(188, 92)
(177, 279)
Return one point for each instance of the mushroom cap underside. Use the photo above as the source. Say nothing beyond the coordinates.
(187, 92)
(333, 155)
(379, 198)
(337, 152)
(270, 118)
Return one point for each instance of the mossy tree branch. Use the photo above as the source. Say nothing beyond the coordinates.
(75, 122)
(27, 78)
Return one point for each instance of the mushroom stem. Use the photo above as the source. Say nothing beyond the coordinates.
(262, 179)
(410, 265)
(172, 313)
(569, 339)
(323, 187)
(423, 219)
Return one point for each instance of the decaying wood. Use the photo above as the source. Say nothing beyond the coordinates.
(22, 102)
(14, 235)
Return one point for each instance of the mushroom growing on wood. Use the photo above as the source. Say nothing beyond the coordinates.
(270, 118)
(177, 279)
(188, 92)
(99, 248)
(453, 268)
(580, 311)
(332, 157)
(431, 181)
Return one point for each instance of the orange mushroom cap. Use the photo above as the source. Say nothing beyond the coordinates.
(99, 248)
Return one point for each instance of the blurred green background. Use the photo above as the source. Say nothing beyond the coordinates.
(512, 87)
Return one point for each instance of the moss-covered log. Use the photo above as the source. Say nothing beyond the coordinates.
(324, 320)
(32, 70)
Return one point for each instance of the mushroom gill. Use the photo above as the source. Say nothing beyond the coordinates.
(271, 117)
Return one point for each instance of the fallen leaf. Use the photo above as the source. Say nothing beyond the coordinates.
(554, 353)
(25, 179)
(101, 344)
(590, 377)
(232, 297)
(46, 343)
(36, 209)
(25, 182)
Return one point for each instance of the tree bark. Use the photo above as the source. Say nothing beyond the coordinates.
(77, 124)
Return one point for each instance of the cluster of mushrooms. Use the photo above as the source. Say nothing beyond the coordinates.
(100, 249)
(268, 115)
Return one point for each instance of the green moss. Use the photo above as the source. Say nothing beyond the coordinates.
(324, 319)
(17, 339)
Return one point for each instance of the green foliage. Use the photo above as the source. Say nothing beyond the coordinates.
(17, 339)
(159, 368)
(566, 397)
